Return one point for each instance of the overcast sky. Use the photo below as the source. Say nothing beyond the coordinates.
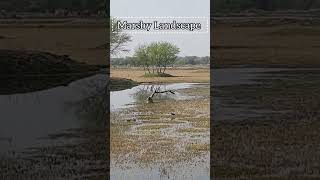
(189, 44)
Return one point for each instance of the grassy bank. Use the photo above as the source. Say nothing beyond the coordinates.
(200, 75)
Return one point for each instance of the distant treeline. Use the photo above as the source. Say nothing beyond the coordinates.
(100, 5)
(187, 60)
(51, 5)
(268, 5)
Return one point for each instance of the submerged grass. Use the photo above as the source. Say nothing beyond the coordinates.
(158, 136)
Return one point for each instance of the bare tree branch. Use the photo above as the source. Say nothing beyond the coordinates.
(150, 100)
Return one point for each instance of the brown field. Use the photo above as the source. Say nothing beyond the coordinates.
(294, 45)
(81, 42)
(191, 75)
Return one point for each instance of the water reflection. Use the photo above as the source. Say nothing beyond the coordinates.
(127, 98)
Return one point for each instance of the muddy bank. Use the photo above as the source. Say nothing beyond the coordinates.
(24, 71)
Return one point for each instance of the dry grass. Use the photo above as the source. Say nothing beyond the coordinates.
(198, 147)
(203, 122)
(274, 45)
(202, 91)
(180, 75)
(79, 42)
(154, 127)
(192, 130)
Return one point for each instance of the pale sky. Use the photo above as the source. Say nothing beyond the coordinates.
(189, 44)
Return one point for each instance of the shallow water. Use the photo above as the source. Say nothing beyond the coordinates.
(127, 98)
(55, 124)
(27, 117)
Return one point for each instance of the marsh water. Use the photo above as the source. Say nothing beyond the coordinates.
(129, 97)
(55, 124)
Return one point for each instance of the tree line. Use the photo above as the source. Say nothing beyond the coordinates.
(180, 61)
(94, 5)
(268, 5)
(51, 5)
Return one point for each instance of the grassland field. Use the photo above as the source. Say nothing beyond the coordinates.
(179, 75)
(286, 45)
(83, 40)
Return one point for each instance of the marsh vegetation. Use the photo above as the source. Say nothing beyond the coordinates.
(168, 135)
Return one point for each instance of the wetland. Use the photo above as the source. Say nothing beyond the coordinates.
(168, 139)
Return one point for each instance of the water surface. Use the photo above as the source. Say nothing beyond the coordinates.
(127, 98)
(58, 124)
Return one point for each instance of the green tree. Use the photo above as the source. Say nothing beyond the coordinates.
(156, 57)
